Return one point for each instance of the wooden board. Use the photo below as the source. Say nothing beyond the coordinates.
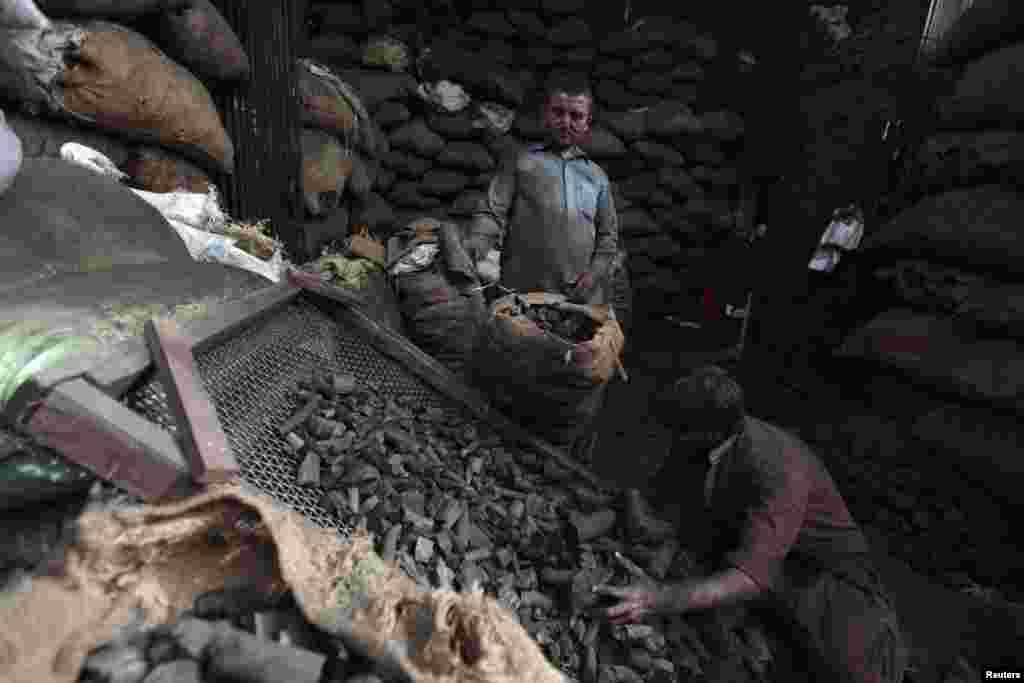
(90, 428)
(122, 369)
(202, 437)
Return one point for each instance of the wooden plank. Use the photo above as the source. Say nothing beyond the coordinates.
(122, 369)
(209, 332)
(205, 443)
(92, 429)
(424, 366)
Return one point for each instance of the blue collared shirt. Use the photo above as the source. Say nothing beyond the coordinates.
(555, 218)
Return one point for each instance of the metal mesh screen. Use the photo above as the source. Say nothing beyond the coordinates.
(252, 378)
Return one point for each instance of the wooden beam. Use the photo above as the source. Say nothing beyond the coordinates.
(424, 366)
(122, 369)
(88, 427)
(204, 441)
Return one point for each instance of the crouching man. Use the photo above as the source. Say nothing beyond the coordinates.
(783, 535)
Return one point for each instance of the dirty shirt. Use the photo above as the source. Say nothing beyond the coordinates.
(771, 501)
(554, 216)
(782, 522)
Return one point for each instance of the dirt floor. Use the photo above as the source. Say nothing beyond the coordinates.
(943, 615)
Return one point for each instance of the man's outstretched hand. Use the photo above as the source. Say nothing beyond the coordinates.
(635, 602)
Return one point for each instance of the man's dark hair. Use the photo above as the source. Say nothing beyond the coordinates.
(568, 82)
(706, 405)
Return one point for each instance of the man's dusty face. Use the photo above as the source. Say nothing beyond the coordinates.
(567, 118)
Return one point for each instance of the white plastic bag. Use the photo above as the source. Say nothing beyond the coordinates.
(489, 269)
(195, 209)
(10, 154)
(444, 94)
(420, 258)
(844, 233)
(89, 158)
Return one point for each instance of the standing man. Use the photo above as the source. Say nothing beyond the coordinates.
(550, 207)
(550, 211)
(783, 535)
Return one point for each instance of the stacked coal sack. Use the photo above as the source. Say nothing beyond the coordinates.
(951, 262)
(131, 80)
(457, 94)
(678, 184)
(341, 152)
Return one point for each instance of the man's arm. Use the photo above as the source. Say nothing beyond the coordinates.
(606, 225)
(724, 588)
(770, 529)
(489, 225)
(644, 599)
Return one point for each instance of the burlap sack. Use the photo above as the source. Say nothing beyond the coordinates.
(552, 389)
(108, 76)
(155, 170)
(123, 82)
(442, 305)
(326, 168)
(331, 104)
(158, 559)
(199, 37)
(322, 105)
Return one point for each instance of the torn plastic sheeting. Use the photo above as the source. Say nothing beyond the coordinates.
(449, 96)
(200, 222)
(844, 233)
(89, 158)
(199, 211)
(213, 248)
